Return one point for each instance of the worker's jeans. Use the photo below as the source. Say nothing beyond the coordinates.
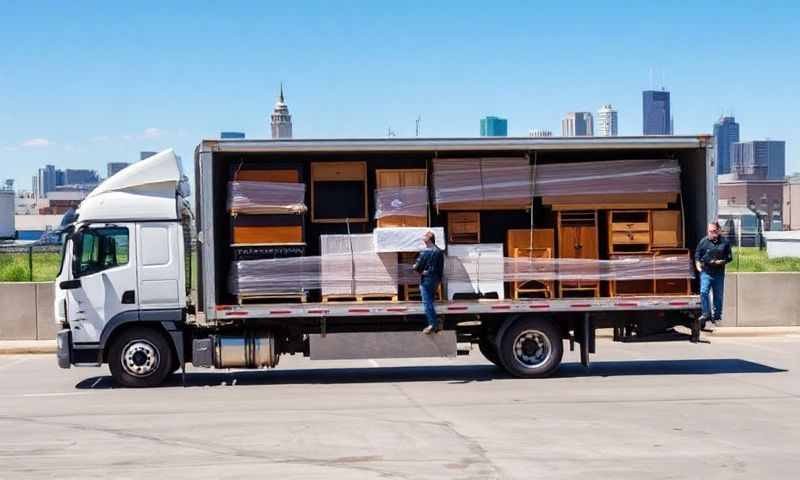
(427, 290)
(712, 283)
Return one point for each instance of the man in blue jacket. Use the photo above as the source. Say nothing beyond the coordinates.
(712, 254)
(430, 265)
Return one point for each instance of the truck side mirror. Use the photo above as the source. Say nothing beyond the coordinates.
(70, 284)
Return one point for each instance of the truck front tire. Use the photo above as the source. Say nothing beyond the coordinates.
(140, 357)
(531, 348)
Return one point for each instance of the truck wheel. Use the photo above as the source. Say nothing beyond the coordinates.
(140, 357)
(489, 350)
(531, 348)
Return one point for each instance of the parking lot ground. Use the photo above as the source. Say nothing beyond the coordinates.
(728, 409)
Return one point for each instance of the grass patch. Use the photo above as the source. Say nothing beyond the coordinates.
(751, 259)
(15, 267)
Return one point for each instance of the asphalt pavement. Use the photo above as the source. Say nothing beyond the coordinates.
(726, 409)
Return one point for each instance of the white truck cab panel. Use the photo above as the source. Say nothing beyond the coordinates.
(160, 265)
(103, 276)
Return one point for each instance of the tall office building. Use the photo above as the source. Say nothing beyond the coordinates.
(143, 155)
(656, 116)
(607, 121)
(113, 167)
(726, 133)
(577, 124)
(48, 178)
(281, 120)
(494, 127)
(759, 160)
(80, 177)
(539, 132)
(231, 135)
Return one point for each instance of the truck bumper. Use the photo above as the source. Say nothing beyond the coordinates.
(64, 344)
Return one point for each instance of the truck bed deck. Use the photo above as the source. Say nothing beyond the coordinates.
(459, 307)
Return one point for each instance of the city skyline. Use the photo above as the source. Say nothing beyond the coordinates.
(101, 89)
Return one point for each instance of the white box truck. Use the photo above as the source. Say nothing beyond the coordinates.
(124, 294)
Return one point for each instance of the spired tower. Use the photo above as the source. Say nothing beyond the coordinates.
(280, 120)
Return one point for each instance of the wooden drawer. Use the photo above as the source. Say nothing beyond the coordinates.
(627, 227)
(630, 237)
(338, 171)
(281, 176)
(673, 286)
(264, 235)
(462, 217)
(463, 227)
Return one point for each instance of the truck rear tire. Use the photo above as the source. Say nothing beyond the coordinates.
(140, 357)
(488, 349)
(531, 348)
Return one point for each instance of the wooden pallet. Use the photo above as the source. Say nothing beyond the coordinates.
(376, 297)
(272, 298)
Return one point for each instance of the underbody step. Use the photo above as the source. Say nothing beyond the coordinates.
(362, 345)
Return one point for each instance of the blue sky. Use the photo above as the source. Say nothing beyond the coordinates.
(85, 83)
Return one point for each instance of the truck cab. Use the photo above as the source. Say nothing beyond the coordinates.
(121, 292)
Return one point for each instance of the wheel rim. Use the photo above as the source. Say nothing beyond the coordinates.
(140, 358)
(532, 349)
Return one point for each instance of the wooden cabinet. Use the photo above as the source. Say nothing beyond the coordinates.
(338, 192)
(463, 227)
(577, 238)
(400, 178)
(267, 226)
(520, 238)
(642, 286)
(674, 286)
(628, 231)
(667, 228)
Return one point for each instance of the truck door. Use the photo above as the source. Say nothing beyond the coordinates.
(106, 279)
(160, 265)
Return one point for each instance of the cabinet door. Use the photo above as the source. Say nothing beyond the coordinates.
(588, 242)
(415, 178)
(568, 242)
(389, 178)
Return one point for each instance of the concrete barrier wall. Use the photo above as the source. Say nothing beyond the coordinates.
(751, 300)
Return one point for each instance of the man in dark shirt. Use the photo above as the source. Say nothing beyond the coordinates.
(430, 265)
(712, 253)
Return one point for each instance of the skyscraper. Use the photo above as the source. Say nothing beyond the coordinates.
(48, 179)
(656, 116)
(494, 127)
(726, 133)
(113, 167)
(759, 160)
(143, 155)
(231, 135)
(80, 176)
(540, 132)
(281, 120)
(577, 124)
(607, 121)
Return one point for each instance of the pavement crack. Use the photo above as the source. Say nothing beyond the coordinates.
(473, 446)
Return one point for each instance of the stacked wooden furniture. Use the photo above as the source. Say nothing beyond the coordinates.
(577, 238)
(268, 232)
(339, 192)
(398, 179)
(647, 235)
(532, 244)
(464, 227)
